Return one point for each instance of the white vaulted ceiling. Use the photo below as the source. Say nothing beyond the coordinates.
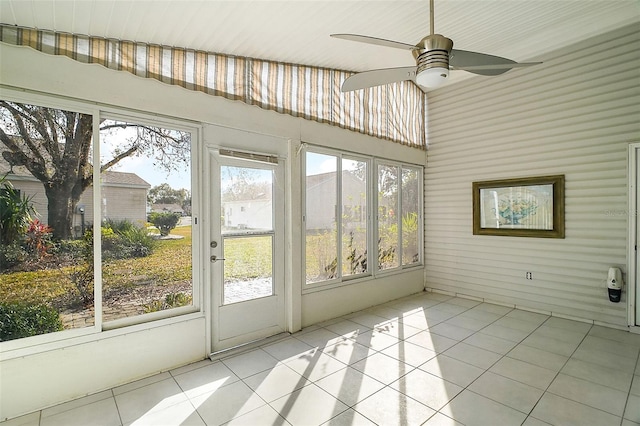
(298, 31)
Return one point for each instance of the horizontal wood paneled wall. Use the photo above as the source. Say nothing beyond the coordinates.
(574, 115)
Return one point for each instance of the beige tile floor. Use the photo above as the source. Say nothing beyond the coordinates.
(429, 359)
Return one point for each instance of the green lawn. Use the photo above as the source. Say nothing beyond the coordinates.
(170, 263)
(249, 257)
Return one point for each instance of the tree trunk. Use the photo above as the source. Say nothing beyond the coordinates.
(61, 207)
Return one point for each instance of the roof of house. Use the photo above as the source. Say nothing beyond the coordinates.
(313, 180)
(108, 177)
(124, 178)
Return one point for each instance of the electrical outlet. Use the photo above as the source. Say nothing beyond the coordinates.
(529, 275)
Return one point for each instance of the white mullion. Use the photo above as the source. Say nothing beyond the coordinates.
(371, 209)
(97, 220)
(339, 216)
(376, 216)
(303, 200)
(399, 170)
(422, 216)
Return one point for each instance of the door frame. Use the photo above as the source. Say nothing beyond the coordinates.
(217, 137)
(633, 286)
(276, 302)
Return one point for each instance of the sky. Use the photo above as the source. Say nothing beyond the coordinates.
(321, 163)
(140, 165)
(143, 166)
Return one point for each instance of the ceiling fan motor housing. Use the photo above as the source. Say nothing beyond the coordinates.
(433, 52)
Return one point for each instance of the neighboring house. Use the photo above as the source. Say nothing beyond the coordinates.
(248, 214)
(321, 190)
(167, 208)
(124, 196)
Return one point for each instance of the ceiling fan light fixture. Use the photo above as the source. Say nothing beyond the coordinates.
(432, 57)
(432, 77)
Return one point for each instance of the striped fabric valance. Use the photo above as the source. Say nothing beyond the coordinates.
(393, 112)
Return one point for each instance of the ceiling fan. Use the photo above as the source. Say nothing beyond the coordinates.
(434, 56)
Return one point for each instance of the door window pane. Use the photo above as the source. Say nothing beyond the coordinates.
(321, 206)
(388, 216)
(46, 188)
(248, 268)
(410, 216)
(247, 199)
(247, 209)
(354, 217)
(146, 219)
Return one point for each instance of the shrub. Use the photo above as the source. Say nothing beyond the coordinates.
(124, 240)
(15, 212)
(138, 241)
(82, 274)
(18, 320)
(119, 226)
(73, 249)
(165, 222)
(11, 254)
(171, 300)
(82, 277)
(38, 238)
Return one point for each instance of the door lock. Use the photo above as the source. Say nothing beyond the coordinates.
(213, 244)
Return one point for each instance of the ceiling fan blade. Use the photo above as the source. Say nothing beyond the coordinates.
(372, 78)
(494, 69)
(375, 40)
(481, 63)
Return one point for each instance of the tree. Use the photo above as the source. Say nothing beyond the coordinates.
(244, 184)
(165, 194)
(55, 146)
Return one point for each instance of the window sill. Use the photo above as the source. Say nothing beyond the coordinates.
(333, 284)
(60, 340)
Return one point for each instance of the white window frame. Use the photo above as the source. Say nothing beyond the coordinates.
(196, 273)
(373, 270)
(99, 330)
(420, 171)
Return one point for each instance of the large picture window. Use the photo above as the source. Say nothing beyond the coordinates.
(46, 173)
(56, 222)
(339, 211)
(145, 208)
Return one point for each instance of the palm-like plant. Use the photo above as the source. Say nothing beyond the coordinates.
(15, 212)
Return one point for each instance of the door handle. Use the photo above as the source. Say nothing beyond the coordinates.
(215, 258)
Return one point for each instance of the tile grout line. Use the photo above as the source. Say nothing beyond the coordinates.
(195, 409)
(558, 373)
(487, 369)
(113, 395)
(633, 378)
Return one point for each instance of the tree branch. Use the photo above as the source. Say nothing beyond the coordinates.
(117, 158)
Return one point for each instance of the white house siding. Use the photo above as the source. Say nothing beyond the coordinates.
(248, 214)
(574, 115)
(322, 196)
(120, 202)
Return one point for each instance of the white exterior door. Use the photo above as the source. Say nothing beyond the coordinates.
(246, 248)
